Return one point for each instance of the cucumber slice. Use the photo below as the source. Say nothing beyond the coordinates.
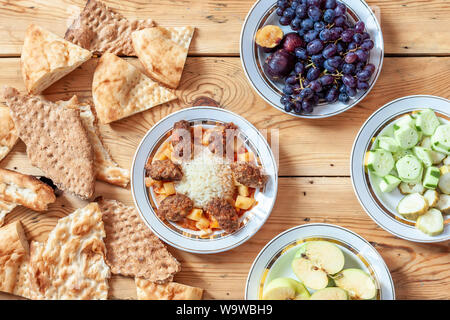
(423, 155)
(431, 223)
(432, 197)
(285, 289)
(389, 183)
(380, 162)
(443, 203)
(330, 294)
(400, 154)
(441, 138)
(444, 183)
(409, 169)
(412, 206)
(427, 122)
(406, 137)
(405, 121)
(408, 188)
(437, 157)
(431, 179)
(426, 143)
(388, 144)
(357, 283)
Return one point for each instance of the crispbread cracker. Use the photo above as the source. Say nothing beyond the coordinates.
(71, 264)
(5, 208)
(56, 141)
(8, 132)
(120, 90)
(13, 250)
(147, 290)
(25, 190)
(46, 58)
(100, 29)
(132, 249)
(107, 169)
(163, 52)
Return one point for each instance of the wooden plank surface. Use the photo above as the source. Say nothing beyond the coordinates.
(409, 27)
(305, 148)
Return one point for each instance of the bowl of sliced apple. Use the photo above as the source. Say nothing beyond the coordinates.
(319, 262)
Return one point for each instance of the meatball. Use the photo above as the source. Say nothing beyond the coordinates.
(175, 207)
(249, 174)
(181, 137)
(164, 170)
(224, 213)
(219, 141)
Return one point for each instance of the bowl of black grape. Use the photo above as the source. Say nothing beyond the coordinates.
(312, 58)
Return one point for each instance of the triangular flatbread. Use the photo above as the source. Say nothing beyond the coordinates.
(163, 52)
(147, 290)
(100, 29)
(46, 58)
(120, 90)
(8, 132)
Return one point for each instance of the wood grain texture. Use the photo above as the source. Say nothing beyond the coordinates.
(419, 271)
(304, 145)
(409, 27)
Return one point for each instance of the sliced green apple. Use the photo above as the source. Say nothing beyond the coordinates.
(357, 283)
(285, 289)
(315, 261)
(330, 294)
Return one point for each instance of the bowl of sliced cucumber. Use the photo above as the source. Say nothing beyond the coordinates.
(319, 261)
(400, 168)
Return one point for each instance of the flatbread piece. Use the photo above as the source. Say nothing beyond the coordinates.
(46, 58)
(56, 141)
(100, 29)
(8, 132)
(147, 290)
(163, 52)
(132, 249)
(119, 90)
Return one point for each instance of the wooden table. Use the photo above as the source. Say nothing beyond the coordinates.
(314, 154)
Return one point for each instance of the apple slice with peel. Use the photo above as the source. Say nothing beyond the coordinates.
(357, 283)
(285, 289)
(315, 261)
(330, 294)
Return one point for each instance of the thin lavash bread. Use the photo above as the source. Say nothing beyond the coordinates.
(8, 132)
(46, 58)
(147, 290)
(163, 52)
(100, 29)
(71, 263)
(56, 141)
(14, 251)
(107, 169)
(132, 249)
(120, 90)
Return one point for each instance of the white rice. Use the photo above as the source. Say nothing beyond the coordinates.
(205, 177)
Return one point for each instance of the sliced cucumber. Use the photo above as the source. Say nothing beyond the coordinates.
(409, 169)
(426, 143)
(431, 223)
(389, 183)
(412, 206)
(408, 188)
(444, 203)
(405, 121)
(357, 283)
(423, 155)
(441, 138)
(380, 162)
(427, 122)
(432, 197)
(431, 179)
(444, 183)
(400, 154)
(330, 294)
(388, 144)
(440, 150)
(406, 137)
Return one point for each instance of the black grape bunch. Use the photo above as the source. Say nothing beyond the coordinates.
(324, 58)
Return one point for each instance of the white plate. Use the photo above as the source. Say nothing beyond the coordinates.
(185, 239)
(381, 207)
(252, 57)
(275, 258)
